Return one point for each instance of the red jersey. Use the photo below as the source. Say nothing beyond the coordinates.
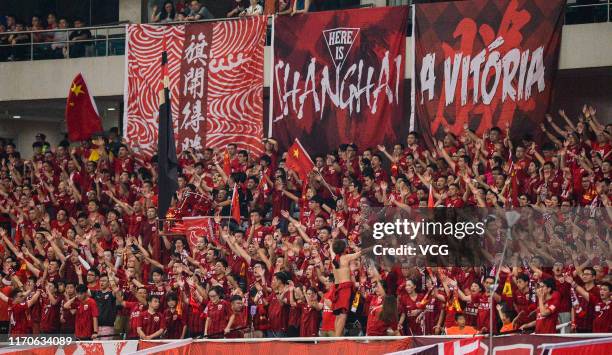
(602, 321)
(20, 318)
(433, 308)
(85, 314)
(174, 324)
(151, 323)
(309, 321)
(135, 309)
(217, 316)
(328, 317)
(377, 327)
(585, 323)
(547, 324)
(67, 318)
(50, 317)
(278, 312)
(407, 305)
(482, 317)
(240, 321)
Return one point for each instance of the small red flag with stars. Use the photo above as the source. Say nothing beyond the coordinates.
(82, 118)
(299, 161)
(235, 206)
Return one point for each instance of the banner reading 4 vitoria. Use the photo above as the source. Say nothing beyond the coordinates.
(216, 83)
(485, 63)
(338, 78)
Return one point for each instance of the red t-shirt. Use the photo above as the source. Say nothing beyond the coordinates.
(85, 314)
(602, 320)
(547, 325)
(20, 319)
(240, 321)
(309, 321)
(174, 324)
(150, 323)
(218, 315)
(328, 318)
(407, 306)
(67, 325)
(135, 309)
(377, 327)
(585, 323)
(50, 317)
(278, 313)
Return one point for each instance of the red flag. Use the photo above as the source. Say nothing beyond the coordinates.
(430, 201)
(196, 227)
(82, 119)
(236, 204)
(227, 167)
(298, 160)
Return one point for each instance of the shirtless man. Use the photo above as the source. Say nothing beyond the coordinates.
(343, 288)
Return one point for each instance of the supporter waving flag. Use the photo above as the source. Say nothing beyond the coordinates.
(82, 118)
(299, 160)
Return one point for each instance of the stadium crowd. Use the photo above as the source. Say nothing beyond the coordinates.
(83, 252)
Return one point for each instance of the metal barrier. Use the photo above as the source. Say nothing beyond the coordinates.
(56, 43)
(590, 13)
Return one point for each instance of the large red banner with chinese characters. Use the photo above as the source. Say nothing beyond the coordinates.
(216, 83)
(485, 63)
(339, 78)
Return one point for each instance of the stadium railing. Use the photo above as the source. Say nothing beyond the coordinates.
(110, 40)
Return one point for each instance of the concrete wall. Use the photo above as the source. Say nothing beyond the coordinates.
(130, 10)
(583, 46)
(47, 79)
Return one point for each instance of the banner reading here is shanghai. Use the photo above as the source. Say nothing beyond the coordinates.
(216, 83)
(485, 63)
(339, 78)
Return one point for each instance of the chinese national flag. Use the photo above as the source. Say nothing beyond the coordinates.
(299, 161)
(430, 200)
(82, 119)
(227, 167)
(235, 204)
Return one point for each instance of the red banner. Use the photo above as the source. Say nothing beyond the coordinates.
(216, 82)
(485, 63)
(195, 227)
(338, 78)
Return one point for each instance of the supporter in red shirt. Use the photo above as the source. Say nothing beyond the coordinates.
(67, 317)
(523, 300)
(382, 315)
(328, 318)
(136, 309)
(217, 312)
(311, 314)
(151, 323)
(411, 306)
(176, 328)
(18, 309)
(602, 322)
(50, 317)
(278, 305)
(587, 296)
(238, 320)
(547, 311)
(86, 318)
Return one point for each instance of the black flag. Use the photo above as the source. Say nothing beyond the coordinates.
(167, 161)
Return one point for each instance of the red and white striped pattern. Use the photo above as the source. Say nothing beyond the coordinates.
(235, 97)
(144, 45)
